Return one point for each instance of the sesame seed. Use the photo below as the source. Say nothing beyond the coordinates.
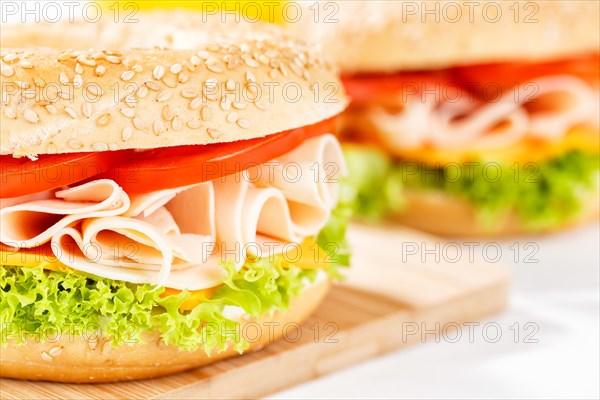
(296, 70)
(77, 81)
(194, 124)
(100, 70)
(113, 146)
(283, 70)
(74, 144)
(163, 96)
(113, 59)
(189, 93)
(71, 112)
(183, 77)
(152, 85)
(213, 133)
(7, 70)
(26, 64)
(31, 116)
(100, 146)
(51, 109)
(195, 60)
(142, 92)
(126, 133)
(56, 351)
(232, 63)
(159, 72)
(10, 113)
(127, 112)
(176, 124)
(261, 105)
(63, 57)
(127, 75)
(250, 77)
(78, 69)
(137, 68)
(94, 89)
(225, 104)
(170, 81)
(243, 123)
(214, 68)
(46, 356)
(238, 105)
(196, 103)
(158, 127)
(138, 123)
(86, 109)
(252, 63)
(230, 85)
(168, 113)
(232, 117)
(273, 74)
(92, 63)
(10, 57)
(205, 113)
(176, 68)
(63, 78)
(103, 120)
(203, 55)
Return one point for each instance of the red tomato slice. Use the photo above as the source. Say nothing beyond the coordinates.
(167, 168)
(373, 89)
(508, 75)
(22, 176)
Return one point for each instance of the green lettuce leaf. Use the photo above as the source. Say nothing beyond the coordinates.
(543, 195)
(372, 188)
(34, 300)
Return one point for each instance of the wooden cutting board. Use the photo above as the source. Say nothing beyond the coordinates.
(391, 298)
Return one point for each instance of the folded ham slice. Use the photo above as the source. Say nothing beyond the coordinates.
(559, 102)
(179, 237)
(33, 223)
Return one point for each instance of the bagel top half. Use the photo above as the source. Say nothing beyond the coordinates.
(230, 86)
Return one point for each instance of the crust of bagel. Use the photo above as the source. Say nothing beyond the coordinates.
(388, 36)
(233, 87)
(80, 360)
(441, 214)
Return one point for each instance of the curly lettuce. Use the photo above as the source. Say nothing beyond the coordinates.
(543, 195)
(34, 300)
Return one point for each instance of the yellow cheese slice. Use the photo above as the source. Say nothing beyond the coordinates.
(583, 138)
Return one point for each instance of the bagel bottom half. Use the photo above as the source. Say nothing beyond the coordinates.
(79, 360)
(439, 213)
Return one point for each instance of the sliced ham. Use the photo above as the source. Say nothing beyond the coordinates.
(559, 102)
(179, 237)
(33, 223)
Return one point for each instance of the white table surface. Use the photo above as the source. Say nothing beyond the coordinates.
(559, 294)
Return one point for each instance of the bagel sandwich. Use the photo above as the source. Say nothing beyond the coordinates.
(469, 119)
(162, 209)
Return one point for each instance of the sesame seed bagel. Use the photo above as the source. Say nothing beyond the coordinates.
(389, 36)
(233, 87)
(85, 360)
